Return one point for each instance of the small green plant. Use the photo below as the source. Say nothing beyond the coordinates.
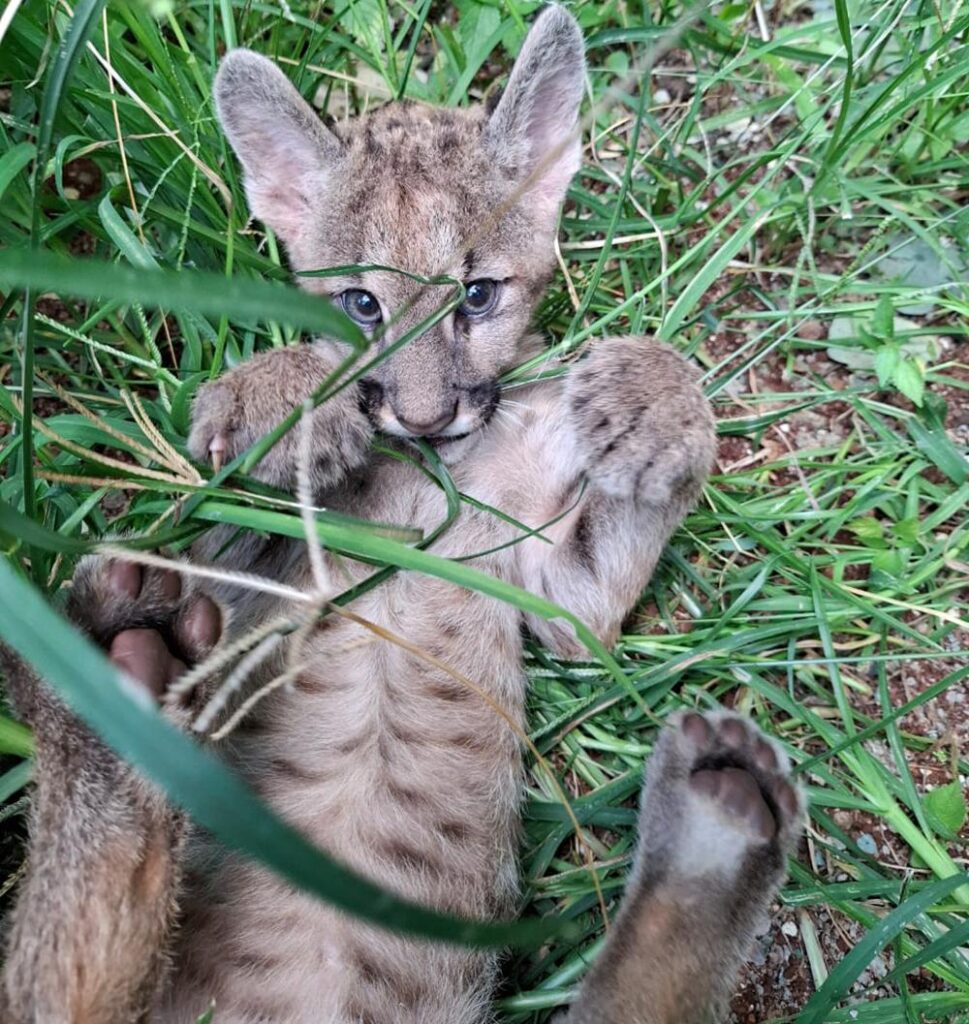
(945, 810)
(894, 363)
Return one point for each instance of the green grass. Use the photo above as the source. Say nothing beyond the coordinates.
(817, 586)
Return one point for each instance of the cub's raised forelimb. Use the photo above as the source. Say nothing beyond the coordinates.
(638, 430)
(89, 936)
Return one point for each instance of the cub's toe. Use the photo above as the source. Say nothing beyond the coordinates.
(143, 655)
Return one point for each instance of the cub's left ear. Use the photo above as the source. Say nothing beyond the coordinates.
(534, 128)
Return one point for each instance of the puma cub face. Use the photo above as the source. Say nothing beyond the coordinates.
(473, 194)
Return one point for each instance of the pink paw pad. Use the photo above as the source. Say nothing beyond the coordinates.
(178, 627)
(740, 773)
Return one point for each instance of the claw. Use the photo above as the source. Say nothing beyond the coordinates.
(217, 449)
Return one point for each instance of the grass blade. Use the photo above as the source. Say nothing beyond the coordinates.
(196, 292)
(845, 973)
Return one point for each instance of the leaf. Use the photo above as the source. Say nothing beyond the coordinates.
(883, 319)
(907, 531)
(62, 67)
(709, 270)
(383, 550)
(14, 780)
(868, 339)
(886, 362)
(472, 62)
(123, 237)
(730, 12)
(869, 531)
(363, 20)
(60, 159)
(945, 809)
(15, 738)
(952, 939)
(887, 568)
(844, 974)
(477, 23)
(199, 782)
(26, 531)
(923, 1008)
(617, 63)
(909, 380)
(68, 53)
(13, 162)
(935, 444)
(864, 356)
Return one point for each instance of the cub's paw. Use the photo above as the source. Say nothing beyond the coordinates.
(644, 427)
(719, 801)
(232, 413)
(152, 623)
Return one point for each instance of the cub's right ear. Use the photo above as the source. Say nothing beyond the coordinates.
(283, 146)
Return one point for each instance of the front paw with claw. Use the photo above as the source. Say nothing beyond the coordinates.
(232, 413)
(644, 427)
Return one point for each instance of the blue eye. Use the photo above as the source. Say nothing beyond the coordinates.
(361, 306)
(479, 298)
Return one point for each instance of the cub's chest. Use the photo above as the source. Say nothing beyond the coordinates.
(416, 625)
(399, 492)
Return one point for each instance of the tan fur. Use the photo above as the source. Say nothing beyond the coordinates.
(384, 760)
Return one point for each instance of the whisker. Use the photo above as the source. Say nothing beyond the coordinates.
(510, 415)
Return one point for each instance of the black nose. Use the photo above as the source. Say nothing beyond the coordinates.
(431, 428)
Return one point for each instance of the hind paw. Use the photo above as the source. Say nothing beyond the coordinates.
(152, 623)
(718, 795)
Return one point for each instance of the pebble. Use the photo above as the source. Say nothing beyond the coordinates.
(878, 968)
(867, 844)
(661, 96)
(789, 928)
(811, 330)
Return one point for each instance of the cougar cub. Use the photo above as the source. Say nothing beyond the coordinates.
(374, 753)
